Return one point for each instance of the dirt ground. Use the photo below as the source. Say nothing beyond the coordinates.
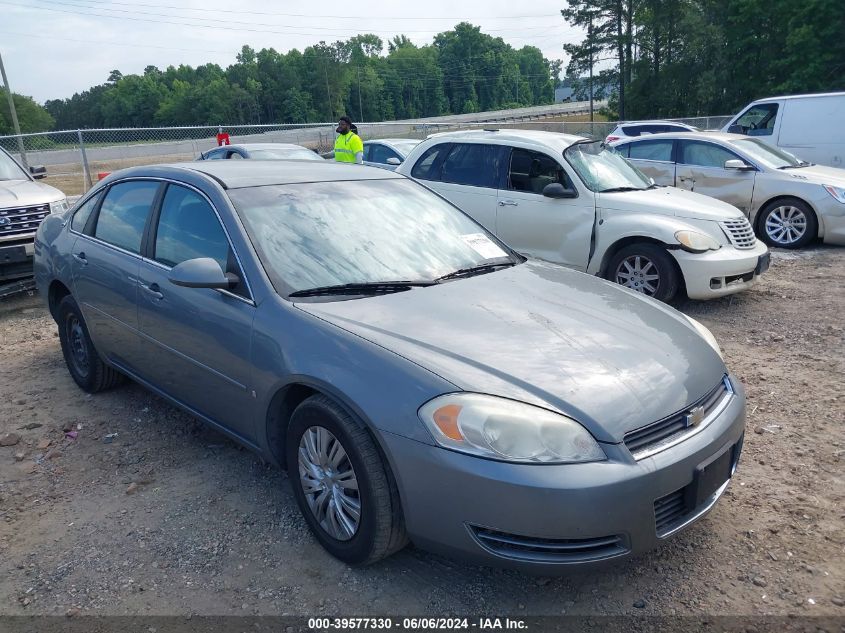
(148, 512)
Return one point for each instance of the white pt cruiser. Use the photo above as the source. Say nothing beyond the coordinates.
(576, 202)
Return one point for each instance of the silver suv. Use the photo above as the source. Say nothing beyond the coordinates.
(24, 203)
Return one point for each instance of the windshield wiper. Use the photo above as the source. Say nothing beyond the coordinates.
(366, 288)
(798, 166)
(475, 270)
(615, 189)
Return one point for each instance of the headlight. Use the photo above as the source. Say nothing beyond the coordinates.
(506, 430)
(60, 206)
(837, 192)
(696, 242)
(707, 335)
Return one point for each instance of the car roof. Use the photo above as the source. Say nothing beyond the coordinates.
(536, 138)
(244, 173)
(401, 141)
(792, 97)
(250, 146)
(703, 136)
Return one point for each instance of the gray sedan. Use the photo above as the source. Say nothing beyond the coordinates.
(789, 202)
(417, 378)
(261, 151)
(388, 153)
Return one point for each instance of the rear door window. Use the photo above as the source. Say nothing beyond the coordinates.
(124, 212)
(651, 150)
(471, 164)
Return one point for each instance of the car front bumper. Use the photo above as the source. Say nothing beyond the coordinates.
(16, 260)
(569, 515)
(719, 273)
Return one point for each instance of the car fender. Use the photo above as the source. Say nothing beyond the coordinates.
(616, 229)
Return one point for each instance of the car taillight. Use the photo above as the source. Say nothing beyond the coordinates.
(610, 139)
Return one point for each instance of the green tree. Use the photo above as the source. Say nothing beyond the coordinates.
(31, 116)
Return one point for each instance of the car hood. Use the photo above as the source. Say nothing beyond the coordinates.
(546, 335)
(669, 201)
(19, 193)
(818, 174)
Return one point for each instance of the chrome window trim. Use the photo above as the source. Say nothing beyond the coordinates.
(250, 299)
(685, 435)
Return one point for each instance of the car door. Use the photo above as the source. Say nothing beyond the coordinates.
(701, 168)
(468, 177)
(557, 230)
(652, 157)
(196, 341)
(106, 261)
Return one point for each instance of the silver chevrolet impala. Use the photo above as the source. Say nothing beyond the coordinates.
(418, 379)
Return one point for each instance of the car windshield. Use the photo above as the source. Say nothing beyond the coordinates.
(602, 169)
(405, 148)
(770, 156)
(9, 169)
(360, 232)
(283, 154)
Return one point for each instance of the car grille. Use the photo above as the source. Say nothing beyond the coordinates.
(649, 439)
(529, 548)
(22, 221)
(740, 233)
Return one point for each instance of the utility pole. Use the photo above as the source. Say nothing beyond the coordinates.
(590, 40)
(328, 90)
(14, 112)
(360, 107)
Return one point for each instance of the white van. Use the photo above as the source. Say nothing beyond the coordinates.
(812, 127)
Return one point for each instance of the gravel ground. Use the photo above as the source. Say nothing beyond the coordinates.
(168, 517)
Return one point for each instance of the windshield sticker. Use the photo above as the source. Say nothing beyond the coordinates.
(483, 245)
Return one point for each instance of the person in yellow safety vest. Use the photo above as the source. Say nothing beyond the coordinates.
(348, 147)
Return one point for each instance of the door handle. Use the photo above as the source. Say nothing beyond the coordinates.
(508, 203)
(80, 257)
(153, 290)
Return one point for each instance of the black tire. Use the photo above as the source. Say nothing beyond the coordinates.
(664, 288)
(81, 357)
(381, 527)
(780, 221)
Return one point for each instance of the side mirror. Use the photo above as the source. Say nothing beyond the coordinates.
(393, 161)
(38, 171)
(735, 129)
(557, 190)
(202, 272)
(735, 163)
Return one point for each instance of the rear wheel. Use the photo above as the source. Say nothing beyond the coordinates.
(645, 268)
(342, 485)
(788, 223)
(83, 362)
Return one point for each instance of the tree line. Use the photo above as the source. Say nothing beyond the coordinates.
(706, 57)
(462, 70)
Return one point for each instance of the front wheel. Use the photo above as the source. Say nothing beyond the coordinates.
(645, 268)
(788, 223)
(342, 485)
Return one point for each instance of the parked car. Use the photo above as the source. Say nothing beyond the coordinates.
(633, 129)
(24, 203)
(415, 376)
(261, 151)
(388, 153)
(811, 127)
(789, 202)
(576, 202)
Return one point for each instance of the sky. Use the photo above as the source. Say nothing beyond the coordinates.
(54, 48)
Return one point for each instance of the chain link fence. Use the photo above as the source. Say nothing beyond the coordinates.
(76, 159)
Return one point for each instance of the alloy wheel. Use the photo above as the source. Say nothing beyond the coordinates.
(329, 483)
(638, 273)
(786, 225)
